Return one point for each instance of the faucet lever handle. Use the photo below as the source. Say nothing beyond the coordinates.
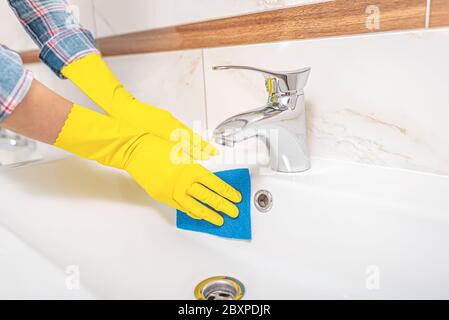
(288, 82)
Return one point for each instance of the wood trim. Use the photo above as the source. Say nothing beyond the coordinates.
(336, 18)
(439, 13)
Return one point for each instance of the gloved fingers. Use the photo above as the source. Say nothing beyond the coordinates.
(212, 199)
(184, 209)
(214, 183)
(190, 214)
(199, 210)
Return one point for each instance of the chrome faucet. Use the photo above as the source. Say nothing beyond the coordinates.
(281, 123)
(15, 149)
(11, 140)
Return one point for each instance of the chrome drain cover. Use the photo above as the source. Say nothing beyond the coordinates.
(263, 200)
(220, 288)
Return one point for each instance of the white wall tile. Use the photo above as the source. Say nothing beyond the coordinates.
(169, 80)
(14, 36)
(377, 99)
(64, 88)
(118, 17)
(173, 81)
(12, 33)
(84, 11)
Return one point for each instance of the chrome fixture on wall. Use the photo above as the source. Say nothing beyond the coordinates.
(283, 115)
(15, 149)
(11, 140)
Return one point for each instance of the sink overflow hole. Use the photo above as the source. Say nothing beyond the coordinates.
(263, 200)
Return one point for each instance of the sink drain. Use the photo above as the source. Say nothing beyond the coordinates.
(220, 288)
(263, 200)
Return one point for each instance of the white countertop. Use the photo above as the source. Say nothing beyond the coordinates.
(332, 230)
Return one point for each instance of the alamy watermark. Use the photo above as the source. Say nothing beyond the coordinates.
(372, 21)
(258, 148)
(73, 275)
(372, 280)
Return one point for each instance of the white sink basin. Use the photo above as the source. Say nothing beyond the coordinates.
(26, 274)
(33, 152)
(339, 230)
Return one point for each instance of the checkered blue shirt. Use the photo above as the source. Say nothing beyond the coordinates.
(59, 36)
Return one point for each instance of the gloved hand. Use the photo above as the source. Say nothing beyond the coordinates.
(164, 171)
(92, 75)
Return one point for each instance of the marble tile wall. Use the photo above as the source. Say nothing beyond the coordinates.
(13, 36)
(379, 99)
(171, 80)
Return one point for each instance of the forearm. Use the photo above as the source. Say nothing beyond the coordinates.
(41, 114)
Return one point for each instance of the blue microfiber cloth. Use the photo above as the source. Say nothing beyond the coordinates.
(238, 228)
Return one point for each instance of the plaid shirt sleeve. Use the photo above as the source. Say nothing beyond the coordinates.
(55, 30)
(14, 81)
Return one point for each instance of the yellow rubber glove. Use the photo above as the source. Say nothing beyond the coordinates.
(93, 76)
(154, 163)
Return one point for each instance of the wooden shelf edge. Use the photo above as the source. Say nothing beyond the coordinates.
(337, 18)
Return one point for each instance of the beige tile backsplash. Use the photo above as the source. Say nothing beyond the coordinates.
(380, 99)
